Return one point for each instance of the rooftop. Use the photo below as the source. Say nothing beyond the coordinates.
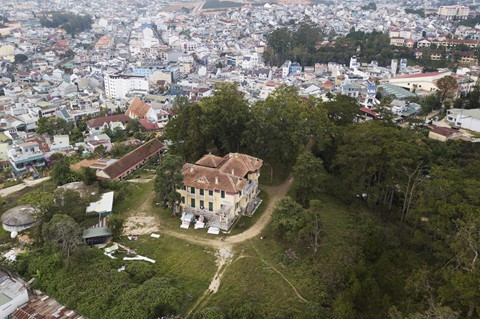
(399, 92)
(19, 216)
(96, 232)
(104, 205)
(45, 307)
(133, 158)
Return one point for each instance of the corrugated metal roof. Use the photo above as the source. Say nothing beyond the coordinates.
(96, 232)
(44, 307)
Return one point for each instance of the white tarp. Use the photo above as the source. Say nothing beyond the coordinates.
(199, 224)
(186, 217)
(139, 257)
(213, 230)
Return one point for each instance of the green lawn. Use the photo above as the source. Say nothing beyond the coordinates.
(192, 265)
(148, 171)
(250, 278)
(138, 194)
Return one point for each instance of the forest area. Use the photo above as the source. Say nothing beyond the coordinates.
(71, 23)
(415, 239)
(400, 240)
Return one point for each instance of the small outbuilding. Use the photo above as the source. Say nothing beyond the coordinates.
(97, 235)
(19, 218)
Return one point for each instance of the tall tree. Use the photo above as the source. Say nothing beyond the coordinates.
(342, 110)
(463, 277)
(380, 161)
(225, 116)
(312, 230)
(309, 178)
(64, 233)
(287, 219)
(447, 86)
(62, 174)
(169, 179)
(115, 224)
(186, 130)
(279, 41)
(70, 203)
(278, 128)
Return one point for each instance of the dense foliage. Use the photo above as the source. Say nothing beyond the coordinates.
(71, 23)
(411, 243)
(301, 44)
(274, 129)
(420, 12)
(169, 179)
(103, 292)
(215, 4)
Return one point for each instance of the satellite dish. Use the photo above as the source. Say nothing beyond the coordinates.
(13, 234)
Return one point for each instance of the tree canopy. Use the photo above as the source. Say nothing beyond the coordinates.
(71, 23)
(169, 179)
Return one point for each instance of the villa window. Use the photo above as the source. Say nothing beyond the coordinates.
(210, 193)
(183, 199)
(210, 206)
(222, 194)
(192, 190)
(192, 202)
(202, 204)
(201, 191)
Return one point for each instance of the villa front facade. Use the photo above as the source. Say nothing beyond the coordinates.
(221, 188)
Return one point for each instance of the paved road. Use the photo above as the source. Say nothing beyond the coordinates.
(10, 190)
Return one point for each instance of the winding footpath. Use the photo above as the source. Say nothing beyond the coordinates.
(225, 247)
(275, 194)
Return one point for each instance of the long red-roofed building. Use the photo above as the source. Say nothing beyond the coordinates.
(132, 161)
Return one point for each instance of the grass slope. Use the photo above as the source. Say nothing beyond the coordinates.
(192, 265)
(253, 279)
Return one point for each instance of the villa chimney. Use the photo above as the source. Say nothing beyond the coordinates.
(191, 169)
(233, 172)
(216, 179)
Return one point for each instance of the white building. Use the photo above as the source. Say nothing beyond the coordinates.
(453, 12)
(117, 86)
(467, 119)
(393, 66)
(286, 68)
(419, 82)
(353, 62)
(13, 294)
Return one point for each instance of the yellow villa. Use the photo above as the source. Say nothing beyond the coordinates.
(217, 190)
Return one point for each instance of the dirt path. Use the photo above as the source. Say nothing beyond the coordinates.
(225, 248)
(275, 194)
(281, 275)
(10, 190)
